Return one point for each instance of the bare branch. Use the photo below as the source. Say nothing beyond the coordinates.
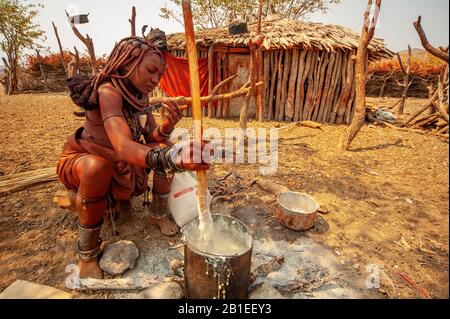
(423, 38)
(133, 21)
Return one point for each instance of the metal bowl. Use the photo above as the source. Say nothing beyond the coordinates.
(296, 211)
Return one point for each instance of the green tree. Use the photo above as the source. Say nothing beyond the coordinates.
(217, 13)
(17, 33)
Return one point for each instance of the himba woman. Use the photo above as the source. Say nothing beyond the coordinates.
(107, 160)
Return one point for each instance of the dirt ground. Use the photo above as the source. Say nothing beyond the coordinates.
(387, 197)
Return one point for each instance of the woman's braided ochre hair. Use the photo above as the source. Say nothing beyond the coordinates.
(129, 51)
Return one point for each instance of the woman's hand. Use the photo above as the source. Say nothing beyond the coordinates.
(170, 117)
(195, 157)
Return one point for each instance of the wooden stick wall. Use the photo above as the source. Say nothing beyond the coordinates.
(305, 85)
(299, 85)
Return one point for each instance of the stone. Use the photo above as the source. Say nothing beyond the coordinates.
(21, 289)
(119, 257)
(265, 291)
(164, 290)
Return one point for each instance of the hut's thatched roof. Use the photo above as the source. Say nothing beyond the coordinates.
(285, 33)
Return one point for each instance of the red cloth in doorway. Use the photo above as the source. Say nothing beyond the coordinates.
(175, 81)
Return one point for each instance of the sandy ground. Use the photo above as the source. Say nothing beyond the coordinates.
(386, 198)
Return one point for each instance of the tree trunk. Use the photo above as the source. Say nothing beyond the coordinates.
(367, 34)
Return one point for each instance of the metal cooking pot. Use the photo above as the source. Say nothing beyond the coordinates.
(296, 211)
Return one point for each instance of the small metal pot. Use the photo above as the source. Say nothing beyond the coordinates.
(296, 211)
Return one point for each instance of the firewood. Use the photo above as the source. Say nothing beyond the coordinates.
(427, 105)
(10, 183)
(311, 124)
(271, 187)
(425, 121)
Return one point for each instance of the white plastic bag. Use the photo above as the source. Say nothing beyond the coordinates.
(182, 201)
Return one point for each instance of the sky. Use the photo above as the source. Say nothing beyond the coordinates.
(109, 21)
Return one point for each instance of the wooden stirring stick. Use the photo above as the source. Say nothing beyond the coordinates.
(205, 218)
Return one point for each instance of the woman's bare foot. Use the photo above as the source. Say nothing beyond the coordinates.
(165, 223)
(90, 269)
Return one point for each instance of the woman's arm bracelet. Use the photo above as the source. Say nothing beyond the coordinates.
(163, 159)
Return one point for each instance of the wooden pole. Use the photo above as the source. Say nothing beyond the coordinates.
(326, 89)
(211, 109)
(41, 68)
(290, 104)
(191, 48)
(61, 52)
(133, 21)
(367, 34)
(259, 115)
(406, 83)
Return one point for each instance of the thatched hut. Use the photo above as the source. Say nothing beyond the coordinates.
(308, 68)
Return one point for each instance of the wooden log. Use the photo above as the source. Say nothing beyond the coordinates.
(273, 82)
(425, 120)
(443, 130)
(299, 84)
(321, 84)
(284, 87)
(271, 187)
(342, 75)
(316, 84)
(305, 65)
(225, 75)
(317, 62)
(332, 90)
(211, 109)
(351, 105)
(346, 89)
(361, 74)
(290, 104)
(310, 85)
(266, 79)
(279, 84)
(259, 112)
(14, 182)
(219, 74)
(406, 82)
(113, 284)
(426, 105)
(326, 86)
